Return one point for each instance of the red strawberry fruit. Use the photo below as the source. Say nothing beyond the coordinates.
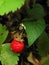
(17, 46)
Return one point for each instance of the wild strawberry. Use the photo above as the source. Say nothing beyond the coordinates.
(17, 46)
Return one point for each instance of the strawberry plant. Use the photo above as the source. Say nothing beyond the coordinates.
(24, 32)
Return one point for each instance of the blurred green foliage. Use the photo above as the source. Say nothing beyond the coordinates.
(46, 62)
(48, 3)
(43, 45)
(37, 12)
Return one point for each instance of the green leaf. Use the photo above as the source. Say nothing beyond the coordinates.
(37, 12)
(1, 30)
(7, 6)
(46, 62)
(3, 33)
(7, 56)
(34, 29)
(0, 52)
(1, 2)
(43, 45)
(48, 3)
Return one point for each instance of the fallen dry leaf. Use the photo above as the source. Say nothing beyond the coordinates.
(33, 60)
